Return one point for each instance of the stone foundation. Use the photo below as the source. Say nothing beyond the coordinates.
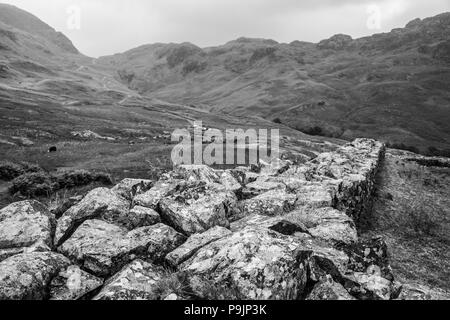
(280, 231)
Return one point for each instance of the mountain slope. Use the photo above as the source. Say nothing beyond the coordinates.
(24, 21)
(53, 96)
(391, 86)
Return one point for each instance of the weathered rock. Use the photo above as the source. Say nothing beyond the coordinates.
(344, 265)
(59, 209)
(99, 203)
(194, 243)
(160, 190)
(195, 208)
(103, 248)
(422, 292)
(27, 276)
(296, 232)
(25, 224)
(171, 297)
(275, 167)
(262, 185)
(326, 223)
(371, 287)
(369, 256)
(129, 188)
(323, 260)
(228, 181)
(73, 284)
(39, 246)
(136, 281)
(315, 194)
(278, 224)
(272, 203)
(353, 167)
(253, 263)
(142, 217)
(196, 173)
(244, 175)
(327, 289)
(222, 179)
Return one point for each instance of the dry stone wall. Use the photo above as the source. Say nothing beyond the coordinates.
(276, 231)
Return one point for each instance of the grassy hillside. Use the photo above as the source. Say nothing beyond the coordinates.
(391, 86)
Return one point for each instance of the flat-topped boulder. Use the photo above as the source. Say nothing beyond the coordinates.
(197, 207)
(103, 248)
(253, 263)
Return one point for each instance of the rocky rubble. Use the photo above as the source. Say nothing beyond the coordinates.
(274, 231)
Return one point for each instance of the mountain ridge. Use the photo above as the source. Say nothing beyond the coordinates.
(322, 83)
(390, 86)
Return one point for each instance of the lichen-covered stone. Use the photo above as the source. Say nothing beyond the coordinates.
(328, 289)
(326, 223)
(272, 203)
(129, 188)
(292, 235)
(73, 284)
(142, 217)
(194, 243)
(25, 224)
(39, 246)
(27, 276)
(103, 248)
(136, 281)
(159, 191)
(99, 203)
(196, 173)
(372, 287)
(315, 195)
(353, 167)
(367, 253)
(421, 292)
(264, 184)
(278, 224)
(253, 263)
(196, 207)
(275, 167)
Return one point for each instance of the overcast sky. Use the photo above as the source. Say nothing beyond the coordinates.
(112, 26)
